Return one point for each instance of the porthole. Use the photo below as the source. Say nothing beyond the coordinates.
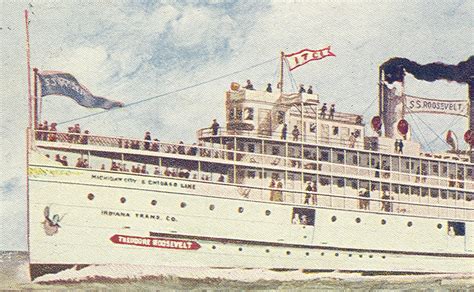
(268, 212)
(410, 224)
(383, 222)
(383, 257)
(267, 250)
(322, 253)
(213, 247)
(305, 236)
(307, 254)
(90, 196)
(358, 220)
(350, 255)
(123, 200)
(360, 256)
(336, 254)
(333, 218)
(288, 252)
(241, 209)
(183, 204)
(153, 202)
(240, 249)
(212, 207)
(371, 256)
(440, 226)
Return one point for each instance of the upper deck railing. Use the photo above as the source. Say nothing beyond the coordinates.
(295, 162)
(207, 133)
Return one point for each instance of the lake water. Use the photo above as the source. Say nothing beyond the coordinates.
(14, 275)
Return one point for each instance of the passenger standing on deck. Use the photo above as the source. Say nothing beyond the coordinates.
(308, 189)
(215, 127)
(352, 140)
(296, 133)
(332, 110)
(284, 131)
(249, 85)
(147, 142)
(302, 90)
(296, 219)
(279, 193)
(386, 204)
(324, 108)
(310, 90)
(45, 128)
(269, 87)
(272, 192)
(39, 133)
(52, 133)
(396, 146)
(314, 197)
(400, 147)
(76, 133)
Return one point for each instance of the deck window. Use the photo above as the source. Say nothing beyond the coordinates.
(456, 228)
(324, 156)
(303, 216)
(251, 148)
(275, 150)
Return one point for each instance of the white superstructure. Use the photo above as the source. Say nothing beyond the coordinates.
(240, 197)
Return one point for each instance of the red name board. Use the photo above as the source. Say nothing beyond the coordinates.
(155, 242)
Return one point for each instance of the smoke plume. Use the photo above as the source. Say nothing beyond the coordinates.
(395, 68)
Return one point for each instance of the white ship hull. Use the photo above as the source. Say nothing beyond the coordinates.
(182, 230)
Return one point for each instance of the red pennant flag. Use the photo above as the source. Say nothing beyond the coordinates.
(302, 57)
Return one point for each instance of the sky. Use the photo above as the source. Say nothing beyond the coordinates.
(136, 50)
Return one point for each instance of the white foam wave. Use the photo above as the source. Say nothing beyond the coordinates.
(129, 272)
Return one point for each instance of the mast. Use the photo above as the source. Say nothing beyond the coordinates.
(35, 101)
(30, 99)
(281, 71)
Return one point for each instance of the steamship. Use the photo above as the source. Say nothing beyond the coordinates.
(284, 184)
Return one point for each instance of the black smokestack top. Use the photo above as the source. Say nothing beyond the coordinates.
(462, 72)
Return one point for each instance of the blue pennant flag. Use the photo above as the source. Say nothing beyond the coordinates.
(59, 83)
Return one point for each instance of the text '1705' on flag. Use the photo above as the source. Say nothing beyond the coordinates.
(59, 83)
(302, 57)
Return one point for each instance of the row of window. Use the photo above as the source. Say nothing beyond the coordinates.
(355, 184)
(288, 252)
(380, 161)
(457, 228)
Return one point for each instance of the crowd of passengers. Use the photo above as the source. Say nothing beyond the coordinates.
(169, 171)
(74, 134)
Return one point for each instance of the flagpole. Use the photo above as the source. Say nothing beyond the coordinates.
(35, 90)
(30, 102)
(281, 72)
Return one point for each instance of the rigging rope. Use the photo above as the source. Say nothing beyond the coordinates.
(170, 92)
(429, 128)
(447, 128)
(419, 129)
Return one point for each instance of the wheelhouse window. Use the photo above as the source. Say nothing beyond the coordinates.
(248, 114)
